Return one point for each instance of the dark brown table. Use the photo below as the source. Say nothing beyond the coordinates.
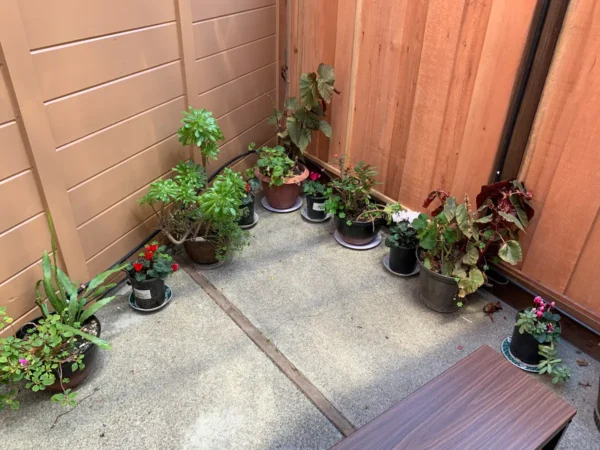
(482, 402)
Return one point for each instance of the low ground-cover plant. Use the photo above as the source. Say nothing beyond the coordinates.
(152, 263)
(541, 322)
(349, 196)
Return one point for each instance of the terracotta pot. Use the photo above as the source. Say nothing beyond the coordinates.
(201, 252)
(284, 196)
(359, 233)
(76, 378)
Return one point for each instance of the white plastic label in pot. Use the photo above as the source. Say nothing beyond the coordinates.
(318, 207)
(144, 295)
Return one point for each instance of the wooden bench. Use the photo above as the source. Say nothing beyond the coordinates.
(482, 402)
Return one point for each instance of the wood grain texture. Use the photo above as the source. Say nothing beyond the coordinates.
(209, 9)
(19, 200)
(7, 111)
(187, 52)
(12, 151)
(481, 402)
(243, 118)
(224, 67)
(73, 67)
(217, 35)
(88, 111)
(17, 293)
(60, 21)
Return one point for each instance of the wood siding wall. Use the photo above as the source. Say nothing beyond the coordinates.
(91, 95)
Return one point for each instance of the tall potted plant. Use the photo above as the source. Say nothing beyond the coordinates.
(200, 129)
(203, 219)
(357, 217)
(455, 243)
(147, 275)
(296, 123)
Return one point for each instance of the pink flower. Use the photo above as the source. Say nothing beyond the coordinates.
(537, 300)
(335, 155)
(533, 310)
(539, 314)
(542, 308)
(552, 304)
(314, 176)
(23, 362)
(550, 327)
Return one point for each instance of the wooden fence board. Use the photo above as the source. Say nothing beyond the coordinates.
(209, 9)
(12, 151)
(20, 200)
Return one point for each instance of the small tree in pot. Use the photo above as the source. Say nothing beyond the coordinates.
(296, 123)
(534, 337)
(201, 130)
(147, 275)
(358, 218)
(315, 196)
(403, 244)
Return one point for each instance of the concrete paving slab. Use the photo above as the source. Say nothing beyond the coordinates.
(360, 334)
(183, 378)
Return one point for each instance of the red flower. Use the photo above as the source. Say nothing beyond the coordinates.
(247, 188)
(148, 255)
(314, 176)
(138, 267)
(154, 247)
(175, 267)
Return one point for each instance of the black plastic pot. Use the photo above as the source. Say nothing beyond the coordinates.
(525, 347)
(403, 260)
(90, 354)
(438, 292)
(358, 233)
(315, 207)
(247, 209)
(148, 294)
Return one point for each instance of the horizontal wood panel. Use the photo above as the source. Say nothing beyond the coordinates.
(234, 94)
(97, 152)
(18, 293)
(70, 68)
(90, 111)
(106, 189)
(58, 21)
(223, 67)
(19, 200)
(118, 220)
(12, 151)
(238, 121)
(217, 35)
(25, 244)
(6, 107)
(110, 255)
(208, 9)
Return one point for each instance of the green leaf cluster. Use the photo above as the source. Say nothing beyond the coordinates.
(552, 365)
(402, 235)
(274, 162)
(201, 130)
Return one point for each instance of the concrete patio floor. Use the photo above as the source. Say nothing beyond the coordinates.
(188, 377)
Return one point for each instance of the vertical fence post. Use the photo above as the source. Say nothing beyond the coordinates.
(38, 137)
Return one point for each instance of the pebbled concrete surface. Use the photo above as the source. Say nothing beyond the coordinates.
(360, 334)
(183, 378)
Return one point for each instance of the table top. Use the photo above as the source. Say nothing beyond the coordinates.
(483, 401)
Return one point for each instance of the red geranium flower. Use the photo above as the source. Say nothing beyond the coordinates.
(138, 267)
(247, 188)
(154, 247)
(148, 255)
(175, 267)
(314, 176)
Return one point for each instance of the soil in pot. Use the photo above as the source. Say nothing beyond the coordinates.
(358, 233)
(403, 260)
(315, 207)
(525, 347)
(438, 292)
(284, 196)
(247, 209)
(201, 251)
(148, 294)
(89, 351)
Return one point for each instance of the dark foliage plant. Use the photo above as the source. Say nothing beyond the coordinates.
(402, 235)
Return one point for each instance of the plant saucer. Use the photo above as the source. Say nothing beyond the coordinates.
(250, 225)
(304, 214)
(212, 266)
(374, 243)
(268, 207)
(386, 264)
(168, 297)
(516, 361)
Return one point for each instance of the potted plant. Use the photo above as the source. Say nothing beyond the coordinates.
(247, 206)
(315, 197)
(56, 352)
(534, 337)
(147, 275)
(357, 217)
(456, 242)
(200, 129)
(403, 244)
(204, 220)
(295, 123)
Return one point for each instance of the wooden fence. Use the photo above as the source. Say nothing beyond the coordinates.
(91, 95)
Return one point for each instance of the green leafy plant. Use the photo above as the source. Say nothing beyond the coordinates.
(402, 235)
(349, 196)
(201, 130)
(152, 263)
(300, 117)
(541, 322)
(276, 164)
(312, 187)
